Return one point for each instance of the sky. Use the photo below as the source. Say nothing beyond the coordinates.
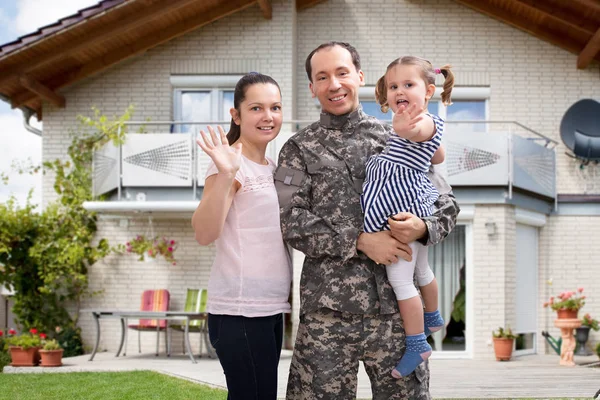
(18, 18)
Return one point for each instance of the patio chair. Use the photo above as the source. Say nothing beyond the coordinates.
(152, 300)
(195, 301)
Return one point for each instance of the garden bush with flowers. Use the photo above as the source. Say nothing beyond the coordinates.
(45, 255)
(147, 247)
(573, 301)
(25, 340)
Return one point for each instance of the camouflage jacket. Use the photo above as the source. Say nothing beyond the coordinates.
(319, 181)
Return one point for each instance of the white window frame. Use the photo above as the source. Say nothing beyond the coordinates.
(215, 84)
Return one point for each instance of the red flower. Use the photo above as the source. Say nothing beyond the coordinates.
(170, 249)
(12, 332)
(580, 289)
(1, 333)
(33, 331)
(42, 336)
(172, 242)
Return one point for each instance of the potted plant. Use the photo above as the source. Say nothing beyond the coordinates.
(582, 333)
(24, 348)
(147, 247)
(51, 354)
(567, 304)
(504, 341)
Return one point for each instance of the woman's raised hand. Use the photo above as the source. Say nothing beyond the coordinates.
(226, 158)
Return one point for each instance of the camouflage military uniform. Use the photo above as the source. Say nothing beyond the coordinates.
(348, 308)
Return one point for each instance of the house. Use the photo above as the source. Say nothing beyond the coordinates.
(530, 213)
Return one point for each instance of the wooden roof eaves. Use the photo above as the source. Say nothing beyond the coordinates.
(113, 29)
(590, 51)
(69, 22)
(564, 18)
(304, 4)
(266, 8)
(105, 61)
(524, 25)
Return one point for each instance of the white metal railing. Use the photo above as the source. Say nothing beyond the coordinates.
(479, 153)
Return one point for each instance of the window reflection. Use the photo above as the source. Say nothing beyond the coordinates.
(466, 111)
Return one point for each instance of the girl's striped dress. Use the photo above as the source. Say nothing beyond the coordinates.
(396, 180)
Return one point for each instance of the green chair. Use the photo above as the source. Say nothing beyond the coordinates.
(195, 301)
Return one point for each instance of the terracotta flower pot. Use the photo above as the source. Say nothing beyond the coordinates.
(24, 357)
(503, 348)
(564, 313)
(51, 358)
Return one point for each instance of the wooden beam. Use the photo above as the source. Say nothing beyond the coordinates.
(303, 4)
(43, 91)
(520, 22)
(592, 5)
(265, 7)
(589, 51)
(556, 13)
(98, 35)
(139, 46)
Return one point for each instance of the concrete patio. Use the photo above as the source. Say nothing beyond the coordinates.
(526, 376)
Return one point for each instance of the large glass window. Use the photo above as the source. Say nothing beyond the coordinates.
(469, 105)
(466, 110)
(202, 98)
(202, 106)
(371, 107)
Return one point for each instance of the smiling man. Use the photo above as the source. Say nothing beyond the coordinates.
(348, 309)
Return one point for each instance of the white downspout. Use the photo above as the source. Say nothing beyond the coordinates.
(27, 114)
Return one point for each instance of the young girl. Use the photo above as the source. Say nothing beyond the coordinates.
(250, 278)
(396, 181)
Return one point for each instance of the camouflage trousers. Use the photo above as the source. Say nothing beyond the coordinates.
(329, 346)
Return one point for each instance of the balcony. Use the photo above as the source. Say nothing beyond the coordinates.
(164, 172)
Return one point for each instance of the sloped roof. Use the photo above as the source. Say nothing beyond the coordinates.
(573, 25)
(34, 67)
(61, 24)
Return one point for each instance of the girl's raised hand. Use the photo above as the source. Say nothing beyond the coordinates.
(405, 121)
(226, 158)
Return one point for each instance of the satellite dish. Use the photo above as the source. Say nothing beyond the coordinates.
(580, 129)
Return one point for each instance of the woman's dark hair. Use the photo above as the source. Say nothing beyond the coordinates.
(239, 95)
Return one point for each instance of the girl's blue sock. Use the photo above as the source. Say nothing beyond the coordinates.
(417, 351)
(433, 322)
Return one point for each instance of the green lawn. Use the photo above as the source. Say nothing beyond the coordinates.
(104, 386)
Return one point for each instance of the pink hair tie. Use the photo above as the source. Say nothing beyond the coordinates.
(438, 71)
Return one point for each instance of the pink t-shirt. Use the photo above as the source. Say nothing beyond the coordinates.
(252, 272)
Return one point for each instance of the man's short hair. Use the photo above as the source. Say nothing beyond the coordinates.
(347, 46)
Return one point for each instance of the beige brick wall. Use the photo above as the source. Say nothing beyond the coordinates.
(493, 275)
(531, 81)
(569, 254)
(122, 279)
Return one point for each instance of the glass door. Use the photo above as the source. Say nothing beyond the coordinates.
(449, 262)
